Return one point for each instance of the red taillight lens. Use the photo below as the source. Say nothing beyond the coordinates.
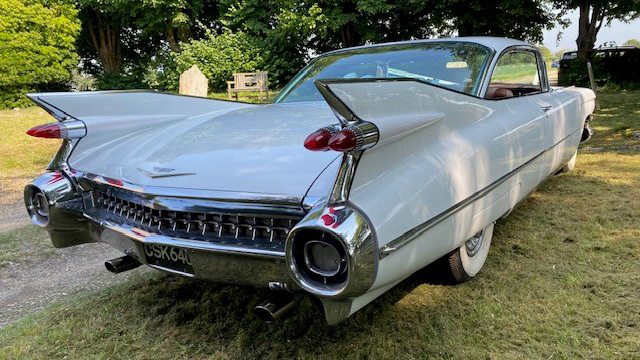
(354, 137)
(49, 131)
(318, 141)
(114, 181)
(345, 140)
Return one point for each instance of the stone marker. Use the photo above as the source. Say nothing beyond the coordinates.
(193, 82)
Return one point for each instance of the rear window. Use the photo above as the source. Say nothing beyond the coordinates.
(454, 65)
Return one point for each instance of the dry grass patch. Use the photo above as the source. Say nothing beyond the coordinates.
(22, 157)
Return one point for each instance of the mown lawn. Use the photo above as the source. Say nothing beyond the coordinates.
(21, 245)
(22, 157)
(562, 282)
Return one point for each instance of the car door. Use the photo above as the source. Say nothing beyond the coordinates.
(561, 127)
(514, 82)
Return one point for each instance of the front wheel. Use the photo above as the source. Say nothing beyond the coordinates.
(465, 262)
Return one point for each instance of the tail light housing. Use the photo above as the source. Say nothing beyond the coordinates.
(59, 130)
(319, 139)
(359, 136)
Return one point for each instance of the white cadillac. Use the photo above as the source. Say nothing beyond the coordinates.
(372, 163)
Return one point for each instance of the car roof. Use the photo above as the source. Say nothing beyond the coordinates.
(496, 43)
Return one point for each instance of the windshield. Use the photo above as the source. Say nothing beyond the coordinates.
(454, 65)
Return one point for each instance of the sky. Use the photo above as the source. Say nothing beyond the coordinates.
(618, 32)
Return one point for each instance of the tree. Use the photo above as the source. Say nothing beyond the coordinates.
(357, 22)
(286, 31)
(632, 42)
(548, 56)
(37, 47)
(177, 19)
(518, 19)
(594, 14)
(218, 56)
(121, 39)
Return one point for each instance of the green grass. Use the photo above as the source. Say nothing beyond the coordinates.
(618, 116)
(24, 244)
(252, 97)
(562, 281)
(22, 157)
(514, 74)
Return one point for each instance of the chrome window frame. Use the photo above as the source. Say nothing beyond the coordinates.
(542, 71)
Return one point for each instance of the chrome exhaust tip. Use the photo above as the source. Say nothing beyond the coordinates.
(274, 308)
(121, 264)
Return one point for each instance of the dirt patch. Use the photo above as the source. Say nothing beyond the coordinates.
(58, 275)
(13, 216)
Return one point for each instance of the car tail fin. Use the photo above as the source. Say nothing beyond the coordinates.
(392, 106)
(126, 105)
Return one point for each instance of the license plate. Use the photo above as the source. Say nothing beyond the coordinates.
(168, 257)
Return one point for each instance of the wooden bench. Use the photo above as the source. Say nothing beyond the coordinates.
(257, 81)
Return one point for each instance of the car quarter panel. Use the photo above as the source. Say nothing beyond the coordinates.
(405, 183)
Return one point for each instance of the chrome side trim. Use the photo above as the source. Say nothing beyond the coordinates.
(344, 179)
(59, 161)
(414, 233)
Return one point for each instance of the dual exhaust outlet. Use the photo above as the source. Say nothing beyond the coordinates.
(269, 311)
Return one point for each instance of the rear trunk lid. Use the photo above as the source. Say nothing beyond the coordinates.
(173, 141)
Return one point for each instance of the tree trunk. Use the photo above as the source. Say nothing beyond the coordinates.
(350, 36)
(106, 40)
(589, 23)
(171, 38)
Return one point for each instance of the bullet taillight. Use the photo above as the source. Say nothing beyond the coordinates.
(59, 130)
(319, 140)
(345, 140)
(354, 137)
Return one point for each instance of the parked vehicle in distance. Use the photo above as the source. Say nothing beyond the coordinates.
(618, 64)
(372, 163)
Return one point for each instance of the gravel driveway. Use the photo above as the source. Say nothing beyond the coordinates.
(26, 287)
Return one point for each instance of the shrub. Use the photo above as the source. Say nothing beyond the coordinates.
(37, 47)
(218, 56)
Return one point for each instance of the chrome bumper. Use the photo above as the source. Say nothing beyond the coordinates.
(214, 262)
(65, 216)
(69, 225)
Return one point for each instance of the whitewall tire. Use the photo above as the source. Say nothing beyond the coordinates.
(466, 262)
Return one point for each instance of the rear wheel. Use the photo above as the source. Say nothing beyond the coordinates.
(465, 262)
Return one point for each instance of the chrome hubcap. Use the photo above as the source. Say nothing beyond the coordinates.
(474, 244)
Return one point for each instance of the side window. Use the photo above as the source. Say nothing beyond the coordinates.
(516, 74)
